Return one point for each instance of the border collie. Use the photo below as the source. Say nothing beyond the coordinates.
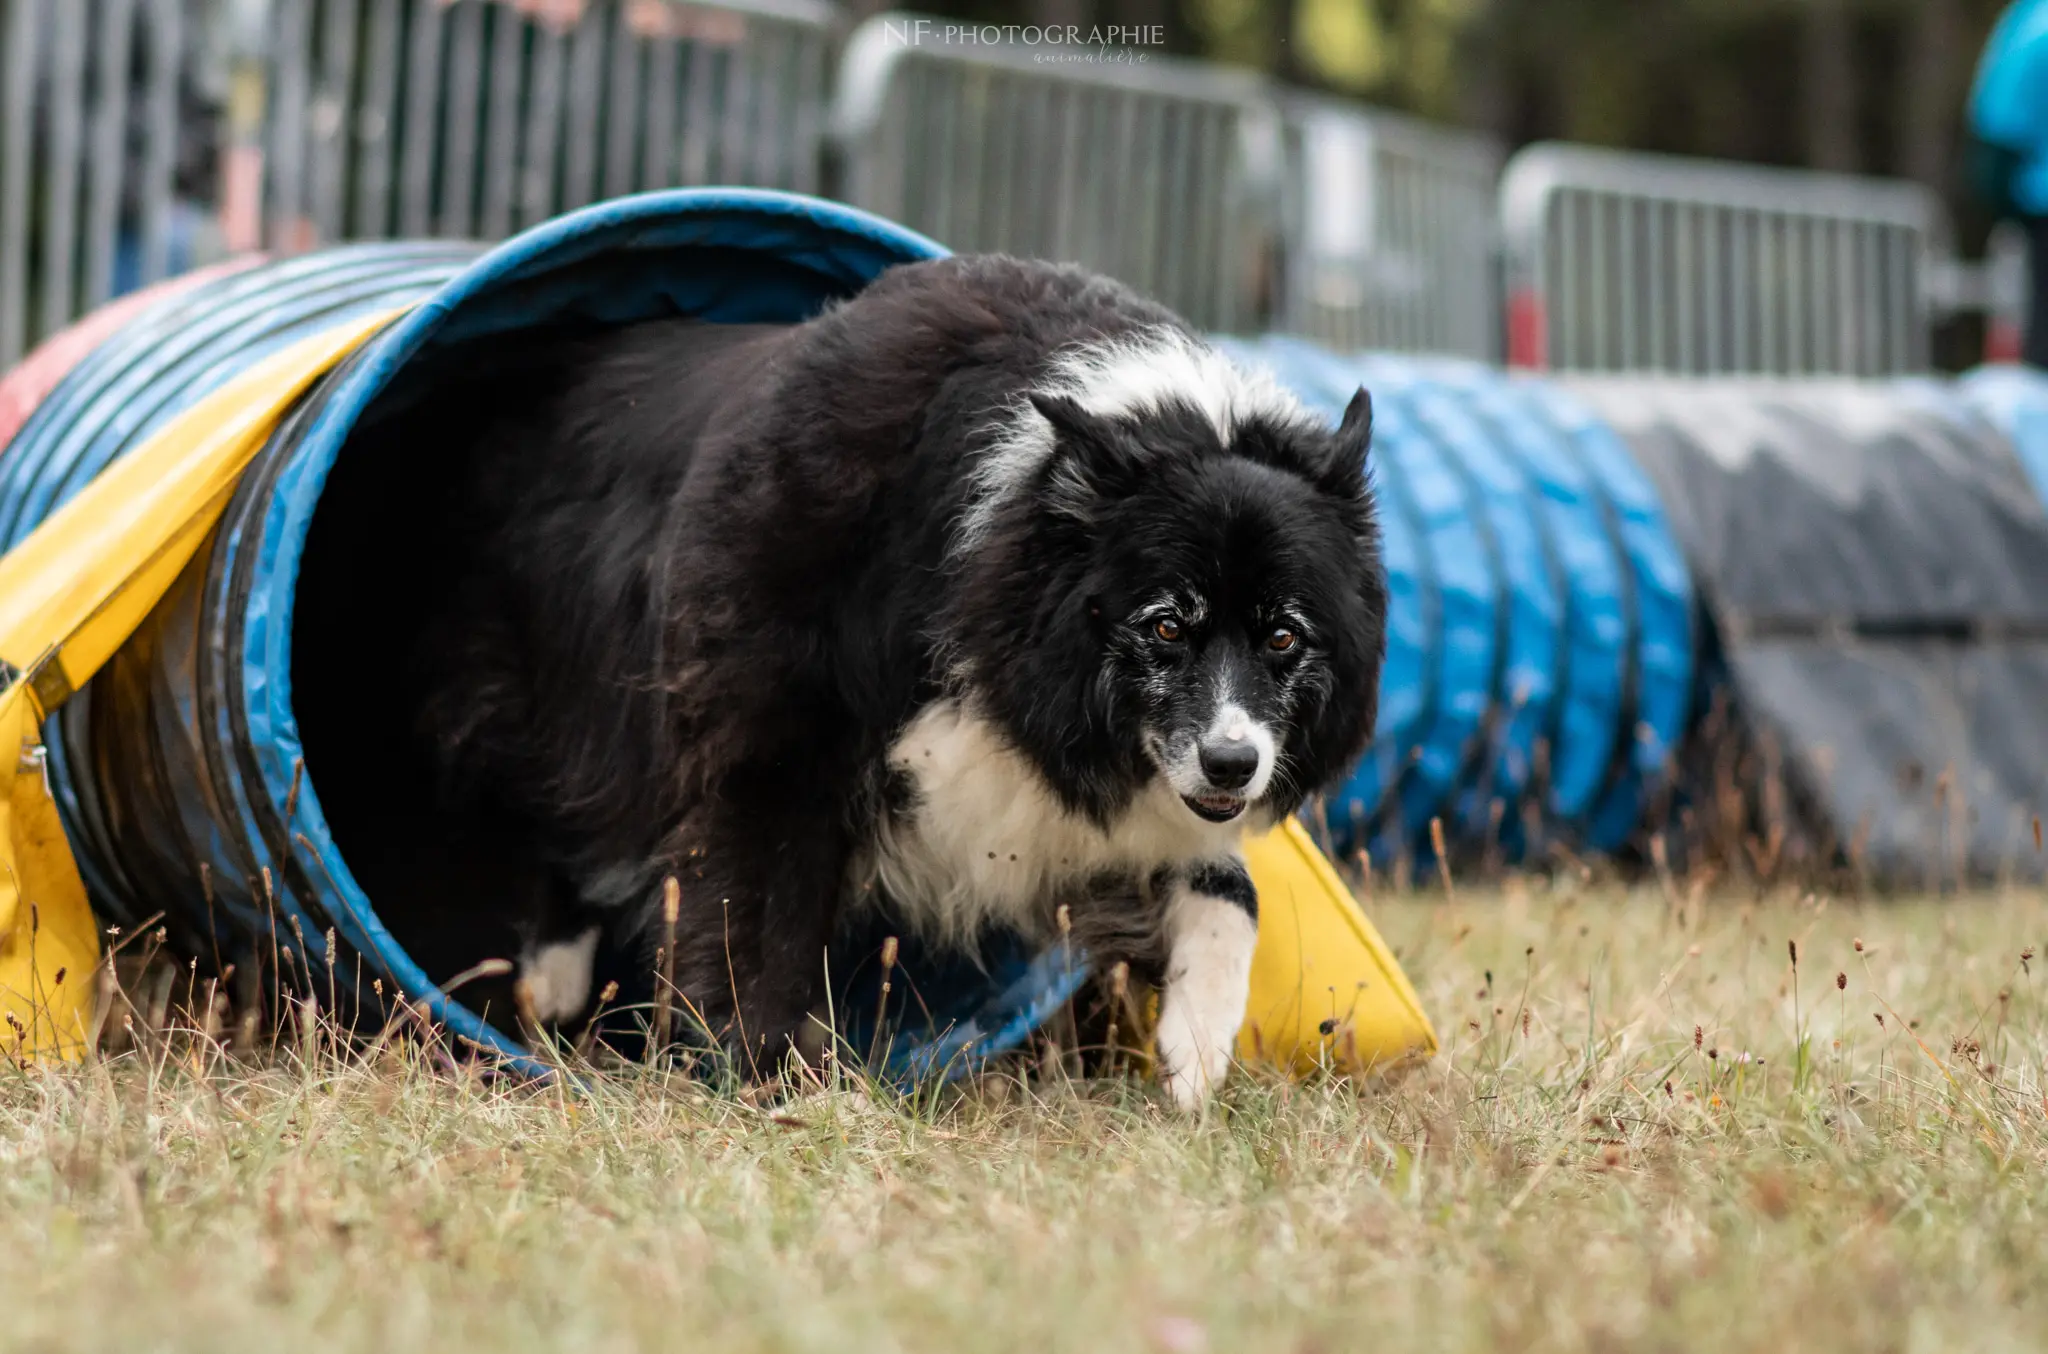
(990, 592)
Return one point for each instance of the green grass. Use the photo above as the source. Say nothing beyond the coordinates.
(1574, 1172)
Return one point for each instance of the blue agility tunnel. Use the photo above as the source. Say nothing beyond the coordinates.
(191, 768)
(226, 770)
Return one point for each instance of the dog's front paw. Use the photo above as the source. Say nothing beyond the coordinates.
(1192, 1061)
(1208, 978)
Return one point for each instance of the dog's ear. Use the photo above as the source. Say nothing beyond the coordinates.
(1351, 444)
(1092, 458)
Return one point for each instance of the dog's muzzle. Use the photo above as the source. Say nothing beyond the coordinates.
(1228, 764)
(1220, 772)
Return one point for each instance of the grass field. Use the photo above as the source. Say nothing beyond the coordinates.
(1645, 1132)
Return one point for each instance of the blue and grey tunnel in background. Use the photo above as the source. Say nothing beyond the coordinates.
(1547, 642)
(1871, 559)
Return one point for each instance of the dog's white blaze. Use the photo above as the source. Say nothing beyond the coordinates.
(1123, 378)
(1234, 724)
(557, 975)
(1208, 981)
(1135, 376)
(989, 842)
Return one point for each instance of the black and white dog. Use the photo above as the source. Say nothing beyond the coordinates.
(989, 591)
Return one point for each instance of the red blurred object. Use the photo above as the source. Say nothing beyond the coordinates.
(1528, 331)
(2001, 341)
(241, 207)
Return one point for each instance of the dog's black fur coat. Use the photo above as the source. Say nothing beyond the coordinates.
(706, 574)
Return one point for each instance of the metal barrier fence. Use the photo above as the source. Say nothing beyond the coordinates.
(1389, 230)
(1158, 172)
(1240, 206)
(91, 115)
(475, 118)
(1621, 262)
(367, 119)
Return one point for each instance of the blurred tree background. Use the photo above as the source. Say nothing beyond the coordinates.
(1862, 86)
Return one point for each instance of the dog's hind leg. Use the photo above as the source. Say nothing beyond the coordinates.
(760, 891)
(558, 955)
(1211, 929)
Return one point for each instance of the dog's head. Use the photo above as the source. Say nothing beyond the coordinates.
(1182, 580)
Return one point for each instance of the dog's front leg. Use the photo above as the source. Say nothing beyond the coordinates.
(1211, 928)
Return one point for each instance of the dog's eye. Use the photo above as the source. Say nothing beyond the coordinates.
(1167, 628)
(1281, 640)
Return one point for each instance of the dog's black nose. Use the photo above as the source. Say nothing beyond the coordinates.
(1230, 763)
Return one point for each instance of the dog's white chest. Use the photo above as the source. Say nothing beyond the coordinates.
(985, 840)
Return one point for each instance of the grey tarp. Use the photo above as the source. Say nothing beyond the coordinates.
(1875, 564)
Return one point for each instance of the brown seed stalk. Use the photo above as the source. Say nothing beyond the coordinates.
(1119, 984)
(671, 909)
(889, 952)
